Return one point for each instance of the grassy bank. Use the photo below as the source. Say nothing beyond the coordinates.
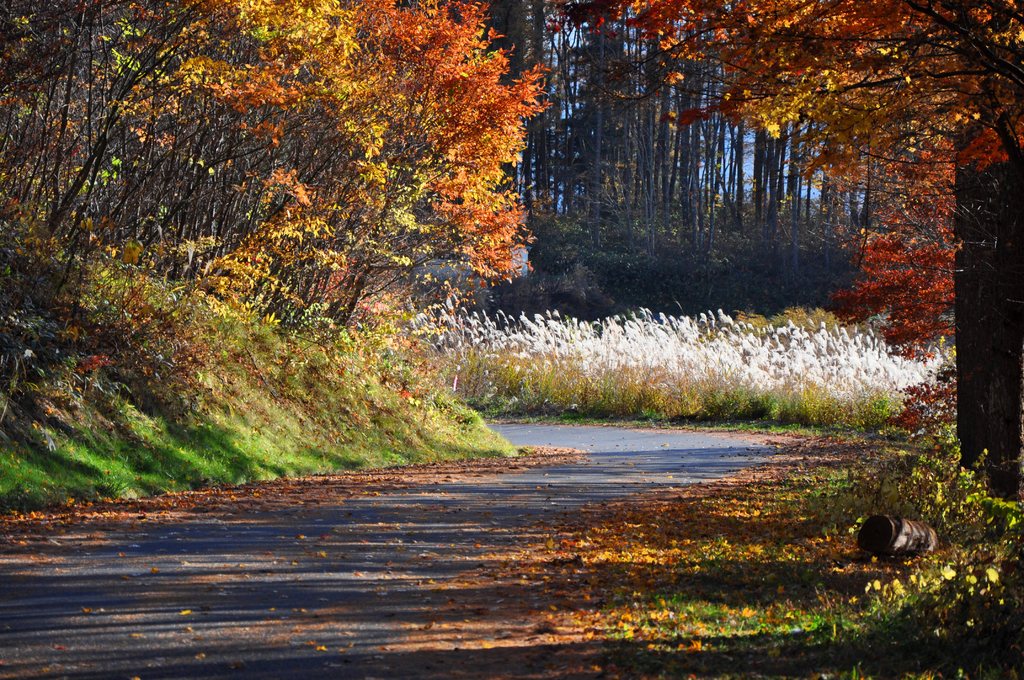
(248, 402)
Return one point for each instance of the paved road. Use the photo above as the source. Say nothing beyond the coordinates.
(359, 587)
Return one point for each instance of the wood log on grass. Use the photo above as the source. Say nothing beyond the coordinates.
(885, 535)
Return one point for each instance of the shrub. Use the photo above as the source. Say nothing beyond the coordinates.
(968, 596)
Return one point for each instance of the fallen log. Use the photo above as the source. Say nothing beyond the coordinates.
(885, 535)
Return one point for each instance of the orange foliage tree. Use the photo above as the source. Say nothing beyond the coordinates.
(904, 81)
(907, 260)
(396, 127)
(296, 155)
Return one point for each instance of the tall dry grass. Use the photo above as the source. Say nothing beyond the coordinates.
(711, 367)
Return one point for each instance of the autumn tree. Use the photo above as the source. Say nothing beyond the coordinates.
(899, 80)
(295, 156)
(906, 259)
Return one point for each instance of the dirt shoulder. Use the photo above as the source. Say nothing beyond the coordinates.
(80, 519)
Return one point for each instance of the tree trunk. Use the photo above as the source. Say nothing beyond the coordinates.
(596, 171)
(793, 197)
(740, 134)
(989, 307)
(760, 153)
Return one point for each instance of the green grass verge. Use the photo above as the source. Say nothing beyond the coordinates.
(261, 406)
(149, 454)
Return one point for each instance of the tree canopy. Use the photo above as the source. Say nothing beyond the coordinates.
(290, 154)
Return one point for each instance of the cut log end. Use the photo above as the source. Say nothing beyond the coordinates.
(885, 535)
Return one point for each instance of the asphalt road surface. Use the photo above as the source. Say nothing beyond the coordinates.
(389, 584)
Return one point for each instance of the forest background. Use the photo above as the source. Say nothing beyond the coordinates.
(643, 190)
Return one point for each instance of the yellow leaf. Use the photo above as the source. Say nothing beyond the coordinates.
(185, 612)
(131, 252)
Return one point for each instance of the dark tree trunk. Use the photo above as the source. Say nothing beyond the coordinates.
(740, 134)
(793, 197)
(989, 289)
(597, 170)
(760, 153)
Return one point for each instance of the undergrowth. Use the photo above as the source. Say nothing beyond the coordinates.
(761, 576)
(157, 388)
(969, 597)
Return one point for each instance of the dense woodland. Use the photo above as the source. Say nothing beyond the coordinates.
(644, 190)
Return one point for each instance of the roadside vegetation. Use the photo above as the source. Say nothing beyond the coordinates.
(204, 395)
(759, 574)
(802, 367)
(211, 214)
